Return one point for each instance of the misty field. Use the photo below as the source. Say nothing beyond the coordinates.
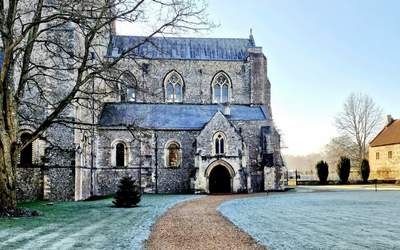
(329, 220)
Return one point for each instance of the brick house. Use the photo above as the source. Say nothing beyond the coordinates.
(384, 153)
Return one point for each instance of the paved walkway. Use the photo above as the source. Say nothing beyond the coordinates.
(195, 224)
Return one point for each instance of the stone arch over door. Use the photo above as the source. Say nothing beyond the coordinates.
(219, 176)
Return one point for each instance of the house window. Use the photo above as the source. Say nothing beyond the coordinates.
(219, 140)
(377, 155)
(221, 86)
(120, 155)
(390, 154)
(173, 155)
(173, 88)
(128, 87)
(26, 153)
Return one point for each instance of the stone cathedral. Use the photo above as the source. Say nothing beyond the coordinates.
(194, 117)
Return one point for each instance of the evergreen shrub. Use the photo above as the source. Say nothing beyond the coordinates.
(363, 169)
(343, 169)
(128, 193)
(322, 169)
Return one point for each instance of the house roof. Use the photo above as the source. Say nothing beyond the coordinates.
(172, 116)
(389, 135)
(231, 49)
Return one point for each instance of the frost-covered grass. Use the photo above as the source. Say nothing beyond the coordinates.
(379, 187)
(331, 220)
(86, 225)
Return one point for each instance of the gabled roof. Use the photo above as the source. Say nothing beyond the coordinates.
(388, 135)
(172, 116)
(231, 49)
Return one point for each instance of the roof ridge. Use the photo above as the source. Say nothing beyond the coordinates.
(186, 37)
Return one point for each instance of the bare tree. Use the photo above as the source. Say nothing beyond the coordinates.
(339, 146)
(54, 59)
(359, 121)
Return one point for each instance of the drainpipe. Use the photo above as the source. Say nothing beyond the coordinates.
(156, 163)
(201, 92)
(92, 139)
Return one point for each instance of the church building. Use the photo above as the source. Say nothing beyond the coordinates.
(188, 115)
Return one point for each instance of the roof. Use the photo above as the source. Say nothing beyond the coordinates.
(388, 135)
(231, 49)
(172, 116)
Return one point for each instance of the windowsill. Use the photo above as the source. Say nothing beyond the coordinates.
(119, 167)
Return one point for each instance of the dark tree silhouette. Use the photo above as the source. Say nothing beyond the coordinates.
(128, 193)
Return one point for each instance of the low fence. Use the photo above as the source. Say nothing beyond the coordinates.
(294, 178)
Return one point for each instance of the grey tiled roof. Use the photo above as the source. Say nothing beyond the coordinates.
(231, 49)
(173, 116)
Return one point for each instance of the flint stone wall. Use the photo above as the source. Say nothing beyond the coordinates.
(197, 87)
(175, 179)
(29, 184)
(57, 182)
(106, 180)
(62, 183)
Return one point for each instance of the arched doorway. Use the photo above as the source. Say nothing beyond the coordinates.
(220, 180)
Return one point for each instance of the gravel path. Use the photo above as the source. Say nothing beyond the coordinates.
(196, 224)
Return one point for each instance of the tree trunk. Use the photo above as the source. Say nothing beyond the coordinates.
(8, 172)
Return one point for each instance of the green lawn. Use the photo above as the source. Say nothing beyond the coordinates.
(86, 225)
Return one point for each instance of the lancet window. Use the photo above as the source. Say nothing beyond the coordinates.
(219, 140)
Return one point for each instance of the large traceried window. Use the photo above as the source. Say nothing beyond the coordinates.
(173, 87)
(221, 86)
(219, 140)
(128, 87)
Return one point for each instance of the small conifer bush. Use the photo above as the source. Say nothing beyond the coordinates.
(363, 169)
(128, 193)
(343, 169)
(322, 169)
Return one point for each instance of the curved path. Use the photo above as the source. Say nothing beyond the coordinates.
(196, 224)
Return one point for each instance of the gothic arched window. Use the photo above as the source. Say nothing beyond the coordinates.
(128, 88)
(120, 155)
(221, 86)
(173, 88)
(219, 140)
(26, 153)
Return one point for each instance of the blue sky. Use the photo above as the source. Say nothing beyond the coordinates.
(318, 53)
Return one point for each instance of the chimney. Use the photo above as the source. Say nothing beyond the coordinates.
(389, 120)
(227, 111)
